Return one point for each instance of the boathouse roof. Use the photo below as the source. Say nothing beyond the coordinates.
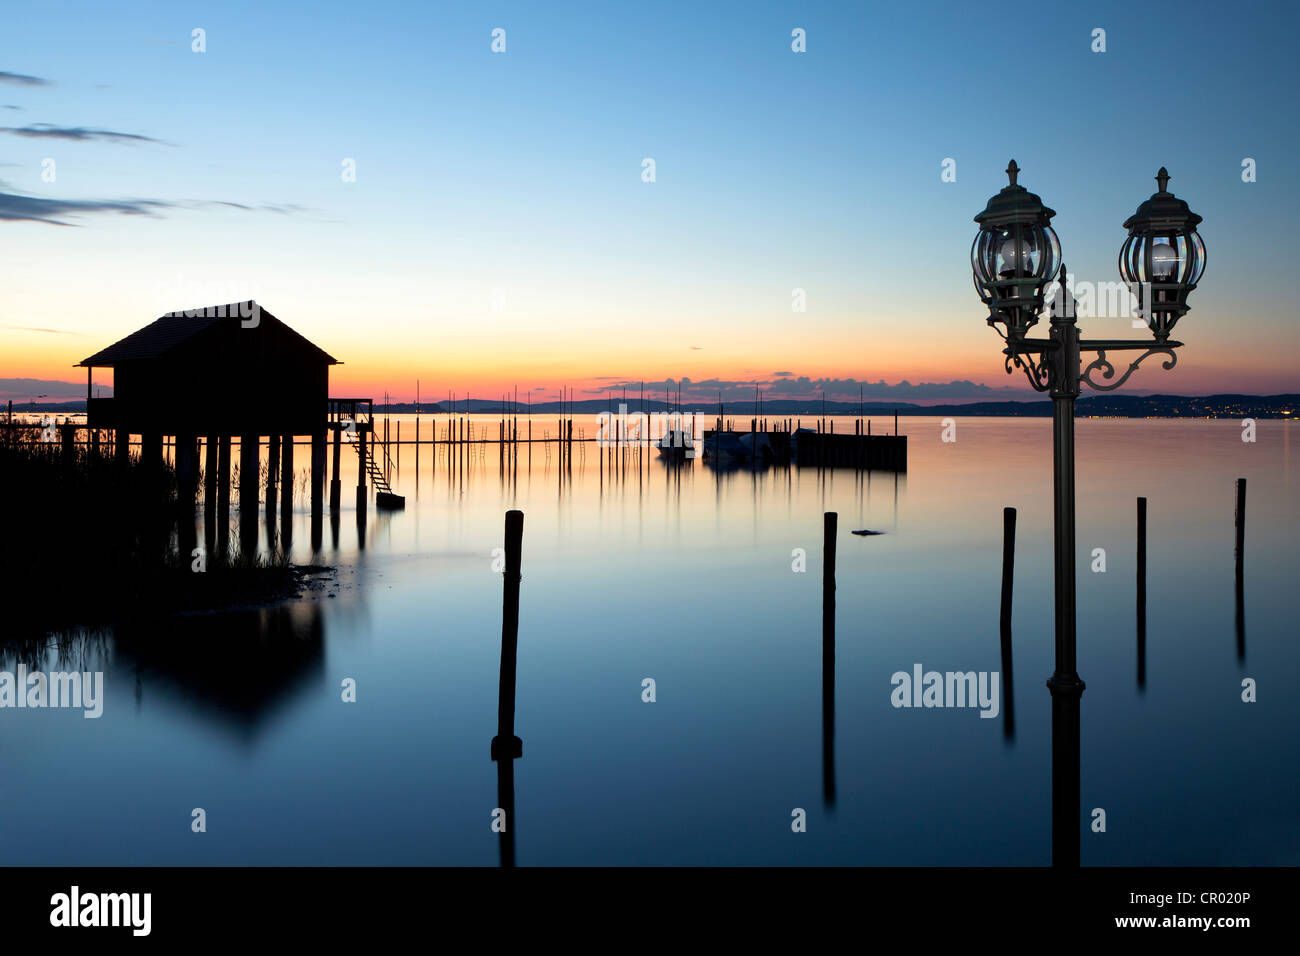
(175, 328)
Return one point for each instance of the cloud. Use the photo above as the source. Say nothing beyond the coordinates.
(32, 328)
(783, 374)
(16, 208)
(10, 106)
(78, 134)
(19, 79)
(786, 386)
(283, 209)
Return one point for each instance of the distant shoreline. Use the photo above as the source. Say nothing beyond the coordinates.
(1232, 406)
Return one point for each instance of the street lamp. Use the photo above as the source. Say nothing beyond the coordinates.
(1014, 258)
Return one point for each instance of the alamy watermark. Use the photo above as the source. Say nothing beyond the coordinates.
(83, 690)
(624, 429)
(922, 688)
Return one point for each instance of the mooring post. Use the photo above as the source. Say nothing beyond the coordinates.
(509, 632)
(1142, 592)
(1008, 562)
(1240, 554)
(830, 521)
(1240, 515)
(506, 747)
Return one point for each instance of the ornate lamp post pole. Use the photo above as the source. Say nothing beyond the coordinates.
(1015, 256)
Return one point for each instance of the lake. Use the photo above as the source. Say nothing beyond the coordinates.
(686, 575)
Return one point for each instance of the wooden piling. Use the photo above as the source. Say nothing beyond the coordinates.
(210, 492)
(272, 477)
(510, 625)
(223, 491)
(1141, 592)
(1240, 550)
(1008, 562)
(361, 469)
(336, 485)
(1240, 569)
(318, 471)
(830, 521)
(286, 493)
(249, 453)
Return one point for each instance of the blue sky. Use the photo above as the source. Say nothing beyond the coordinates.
(520, 172)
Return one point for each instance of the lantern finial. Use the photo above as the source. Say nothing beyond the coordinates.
(1162, 179)
(1012, 172)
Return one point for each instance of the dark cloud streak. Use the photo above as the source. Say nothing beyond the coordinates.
(16, 208)
(78, 134)
(21, 79)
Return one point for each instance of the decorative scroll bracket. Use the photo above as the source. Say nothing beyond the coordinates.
(1039, 372)
(1107, 370)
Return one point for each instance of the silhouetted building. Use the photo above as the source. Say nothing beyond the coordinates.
(224, 370)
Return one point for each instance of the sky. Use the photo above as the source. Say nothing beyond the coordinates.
(500, 232)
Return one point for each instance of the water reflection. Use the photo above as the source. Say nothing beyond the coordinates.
(236, 669)
(682, 570)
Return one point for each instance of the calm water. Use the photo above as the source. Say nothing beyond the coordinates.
(684, 576)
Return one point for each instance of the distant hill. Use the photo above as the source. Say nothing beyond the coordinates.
(1089, 406)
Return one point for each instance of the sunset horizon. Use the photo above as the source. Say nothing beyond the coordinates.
(758, 440)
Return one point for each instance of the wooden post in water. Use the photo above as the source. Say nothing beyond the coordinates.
(287, 482)
(223, 492)
(187, 486)
(1240, 562)
(1142, 592)
(1008, 577)
(210, 493)
(361, 469)
(272, 478)
(249, 454)
(506, 747)
(830, 521)
(336, 486)
(318, 471)
(1008, 562)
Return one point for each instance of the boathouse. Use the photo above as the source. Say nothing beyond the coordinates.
(223, 370)
(212, 377)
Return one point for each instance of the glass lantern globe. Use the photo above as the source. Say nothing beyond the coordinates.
(1014, 256)
(1163, 258)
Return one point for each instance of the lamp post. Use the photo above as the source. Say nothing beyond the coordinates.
(1014, 258)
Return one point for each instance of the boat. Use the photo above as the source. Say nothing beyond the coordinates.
(676, 444)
